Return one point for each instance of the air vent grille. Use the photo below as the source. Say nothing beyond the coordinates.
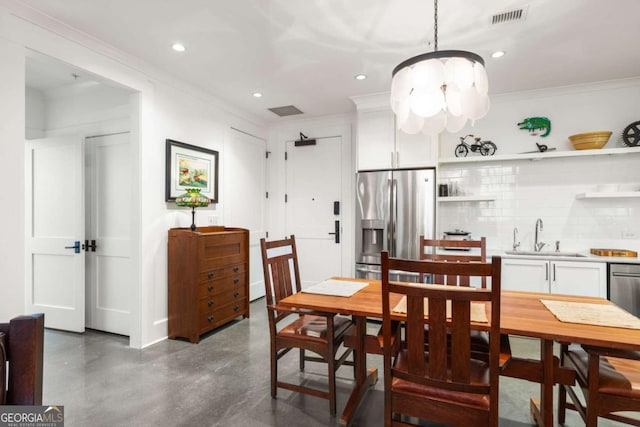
(510, 16)
(287, 110)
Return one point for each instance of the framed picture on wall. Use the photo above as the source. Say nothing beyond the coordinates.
(190, 166)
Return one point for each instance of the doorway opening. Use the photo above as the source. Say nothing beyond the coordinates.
(81, 227)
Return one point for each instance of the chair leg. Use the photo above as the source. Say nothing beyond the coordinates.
(354, 355)
(592, 397)
(332, 383)
(302, 356)
(274, 373)
(562, 403)
(562, 391)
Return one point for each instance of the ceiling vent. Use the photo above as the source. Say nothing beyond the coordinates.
(510, 16)
(287, 110)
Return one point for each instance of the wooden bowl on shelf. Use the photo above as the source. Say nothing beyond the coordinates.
(590, 140)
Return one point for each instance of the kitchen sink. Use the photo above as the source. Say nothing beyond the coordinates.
(546, 254)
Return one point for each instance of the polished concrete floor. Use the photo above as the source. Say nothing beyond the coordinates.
(222, 381)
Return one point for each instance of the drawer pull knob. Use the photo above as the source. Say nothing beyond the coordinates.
(235, 269)
(236, 281)
(210, 303)
(210, 288)
(210, 275)
(235, 294)
(236, 308)
(210, 319)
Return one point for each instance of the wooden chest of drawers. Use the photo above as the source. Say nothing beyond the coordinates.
(208, 279)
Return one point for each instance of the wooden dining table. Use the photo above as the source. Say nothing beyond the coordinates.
(521, 314)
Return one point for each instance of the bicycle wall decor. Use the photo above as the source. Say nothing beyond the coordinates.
(485, 148)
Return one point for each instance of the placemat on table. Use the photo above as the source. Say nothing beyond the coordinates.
(478, 311)
(339, 288)
(592, 314)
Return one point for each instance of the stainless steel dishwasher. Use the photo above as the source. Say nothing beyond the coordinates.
(624, 286)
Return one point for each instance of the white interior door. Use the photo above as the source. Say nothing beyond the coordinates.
(313, 185)
(245, 194)
(55, 262)
(110, 276)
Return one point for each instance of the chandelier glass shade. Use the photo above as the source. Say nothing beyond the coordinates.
(439, 90)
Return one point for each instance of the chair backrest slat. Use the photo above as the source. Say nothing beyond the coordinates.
(437, 337)
(414, 331)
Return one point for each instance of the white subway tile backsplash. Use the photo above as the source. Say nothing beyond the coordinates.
(526, 190)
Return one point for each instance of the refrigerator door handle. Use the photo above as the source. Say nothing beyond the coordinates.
(394, 215)
(404, 273)
(367, 270)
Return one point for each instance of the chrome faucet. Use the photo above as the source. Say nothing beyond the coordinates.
(537, 246)
(516, 244)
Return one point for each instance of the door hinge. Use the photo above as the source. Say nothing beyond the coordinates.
(286, 155)
(285, 198)
(266, 234)
(266, 195)
(267, 154)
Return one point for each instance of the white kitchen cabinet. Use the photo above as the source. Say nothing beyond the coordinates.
(578, 278)
(521, 274)
(375, 140)
(555, 276)
(417, 150)
(380, 146)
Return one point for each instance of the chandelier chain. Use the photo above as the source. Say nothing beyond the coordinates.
(435, 25)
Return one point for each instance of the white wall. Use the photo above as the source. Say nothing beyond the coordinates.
(86, 107)
(526, 190)
(162, 108)
(35, 106)
(12, 128)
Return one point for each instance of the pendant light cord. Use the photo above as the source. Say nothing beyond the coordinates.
(435, 26)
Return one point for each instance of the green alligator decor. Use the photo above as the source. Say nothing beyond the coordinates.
(536, 123)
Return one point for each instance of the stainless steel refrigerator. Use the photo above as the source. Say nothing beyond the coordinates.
(393, 208)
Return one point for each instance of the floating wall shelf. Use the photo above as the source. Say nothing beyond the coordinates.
(466, 199)
(611, 195)
(540, 156)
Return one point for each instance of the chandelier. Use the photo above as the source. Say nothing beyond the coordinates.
(439, 90)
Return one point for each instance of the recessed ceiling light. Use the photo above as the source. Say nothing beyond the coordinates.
(178, 47)
(257, 94)
(498, 54)
(360, 76)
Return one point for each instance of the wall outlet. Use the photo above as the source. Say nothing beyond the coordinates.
(212, 220)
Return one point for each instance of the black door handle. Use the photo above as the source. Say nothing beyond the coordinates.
(91, 246)
(336, 232)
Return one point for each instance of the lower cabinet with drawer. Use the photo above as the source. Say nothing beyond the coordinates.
(208, 279)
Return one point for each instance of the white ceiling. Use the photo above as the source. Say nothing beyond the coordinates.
(307, 52)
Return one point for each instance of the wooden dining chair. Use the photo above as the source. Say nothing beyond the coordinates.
(610, 383)
(444, 384)
(22, 346)
(433, 250)
(436, 250)
(315, 332)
